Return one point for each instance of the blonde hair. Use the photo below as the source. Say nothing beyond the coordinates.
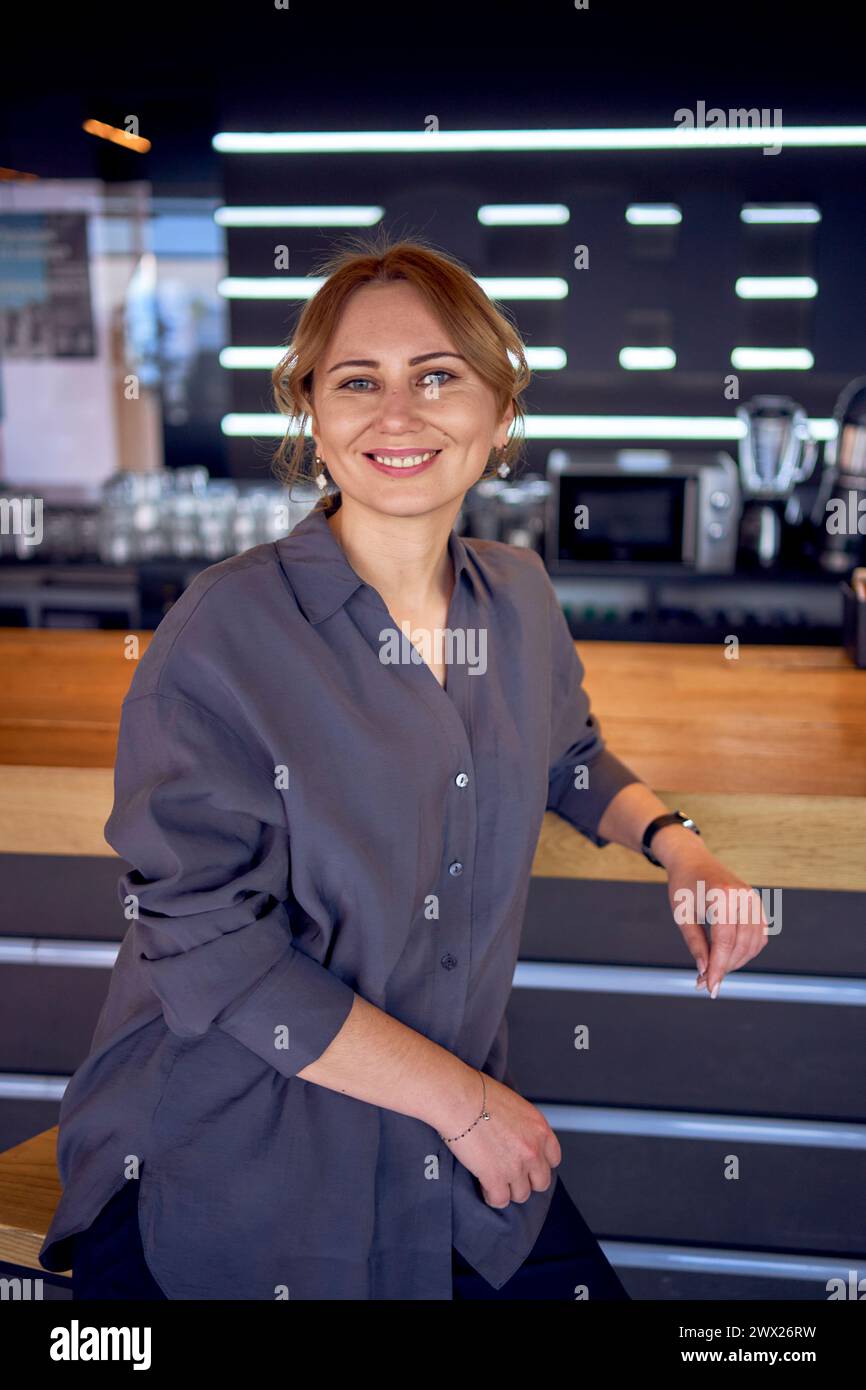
(480, 330)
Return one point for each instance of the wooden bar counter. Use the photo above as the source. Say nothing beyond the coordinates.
(767, 752)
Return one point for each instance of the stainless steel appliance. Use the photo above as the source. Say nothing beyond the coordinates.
(512, 512)
(840, 507)
(777, 452)
(634, 509)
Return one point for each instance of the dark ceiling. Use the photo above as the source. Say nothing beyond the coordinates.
(187, 72)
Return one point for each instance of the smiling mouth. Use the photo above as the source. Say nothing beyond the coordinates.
(398, 461)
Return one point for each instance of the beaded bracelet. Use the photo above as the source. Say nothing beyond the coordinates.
(483, 1116)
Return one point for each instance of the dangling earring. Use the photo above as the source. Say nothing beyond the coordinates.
(321, 476)
(504, 468)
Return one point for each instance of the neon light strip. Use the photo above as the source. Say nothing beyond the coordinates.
(653, 214)
(305, 286)
(757, 359)
(298, 216)
(523, 214)
(647, 359)
(776, 287)
(237, 358)
(455, 141)
(560, 427)
(754, 213)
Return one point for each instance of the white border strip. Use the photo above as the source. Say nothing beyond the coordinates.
(25, 1087)
(589, 1119)
(680, 984)
(624, 1254)
(44, 950)
(679, 1124)
(552, 975)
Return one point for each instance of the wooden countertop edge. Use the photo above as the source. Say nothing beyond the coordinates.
(768, 839)
(29, 1192)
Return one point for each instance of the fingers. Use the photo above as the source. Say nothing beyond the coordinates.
(737, 939)
(750, 941)
(552, 1151)
(752, 933)
(538, 1177)
(537, 1180)
(696, 940)
(493, 1196)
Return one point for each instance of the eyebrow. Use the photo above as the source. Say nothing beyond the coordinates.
(413, 361)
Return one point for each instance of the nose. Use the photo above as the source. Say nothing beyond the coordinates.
(398, 407)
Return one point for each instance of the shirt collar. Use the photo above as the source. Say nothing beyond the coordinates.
(319, 571)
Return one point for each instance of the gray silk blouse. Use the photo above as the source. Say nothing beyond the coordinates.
(307, 814)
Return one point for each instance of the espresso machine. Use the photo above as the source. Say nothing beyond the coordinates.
(842, 494)
(777, 453)
(512, 512)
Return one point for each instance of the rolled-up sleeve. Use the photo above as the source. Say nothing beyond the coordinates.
(198, 815)
(584, 775)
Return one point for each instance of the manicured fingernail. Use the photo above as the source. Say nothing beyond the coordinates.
(714, 991)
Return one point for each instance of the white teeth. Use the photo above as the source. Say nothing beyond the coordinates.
(411, 462)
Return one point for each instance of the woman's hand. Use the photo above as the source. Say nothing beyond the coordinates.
(513, 1152)
(699, 884)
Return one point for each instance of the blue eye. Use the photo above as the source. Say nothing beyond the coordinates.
(437, 371)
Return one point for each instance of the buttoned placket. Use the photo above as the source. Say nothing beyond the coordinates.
(451, 706)
(451, 710)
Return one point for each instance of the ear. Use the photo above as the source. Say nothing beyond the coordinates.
(505, 424)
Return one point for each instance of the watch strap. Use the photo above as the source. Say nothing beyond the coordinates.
(670, 818)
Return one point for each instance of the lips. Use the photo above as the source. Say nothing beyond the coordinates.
(402, 462)
(399, 453)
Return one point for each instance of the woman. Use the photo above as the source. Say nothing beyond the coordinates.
(297, 1087)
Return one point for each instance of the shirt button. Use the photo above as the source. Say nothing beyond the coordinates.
(462, 779)
(448, 962)
(455, 868)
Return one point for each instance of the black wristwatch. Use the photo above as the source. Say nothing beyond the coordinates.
(672, 818)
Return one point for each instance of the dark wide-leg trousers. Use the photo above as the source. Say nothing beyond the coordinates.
(566, 1262)
(108, 1259)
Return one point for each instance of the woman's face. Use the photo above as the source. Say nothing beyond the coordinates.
(392, 383)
